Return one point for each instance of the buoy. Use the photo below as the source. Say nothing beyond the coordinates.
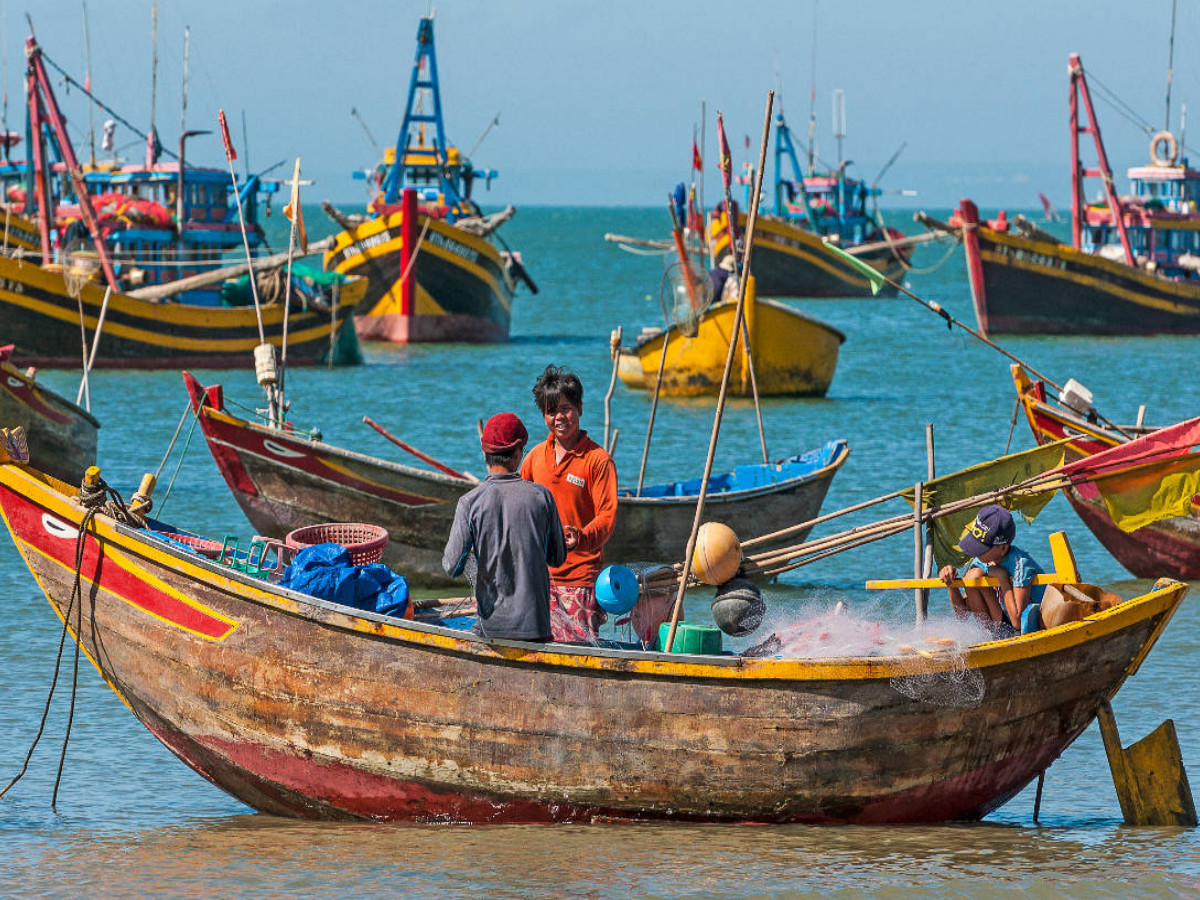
(718, 553)
(616, 589)
(738, 608)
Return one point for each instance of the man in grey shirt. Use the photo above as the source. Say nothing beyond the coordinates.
(512, 527)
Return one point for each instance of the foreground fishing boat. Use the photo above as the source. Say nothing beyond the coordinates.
(792, 353)
(299, 707)
(789, 259)
(60, 434)
(1133, 264)
(1169, 545)
(428, 253)
(285, 480)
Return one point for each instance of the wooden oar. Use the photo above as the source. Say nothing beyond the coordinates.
(441, 467)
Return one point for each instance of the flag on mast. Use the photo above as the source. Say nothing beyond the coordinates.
(725, 161)
(230, 153)
(697, 162)
(294, 213)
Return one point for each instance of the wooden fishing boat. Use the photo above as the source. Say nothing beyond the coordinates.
(299, 707)
(40, 314)
(285, 480)
(1133, 265)
(60, 434)
(428, 253)
(137, 230)
(789, 258)
(792, 353)
(1168, 546)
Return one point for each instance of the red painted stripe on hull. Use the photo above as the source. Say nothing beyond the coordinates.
(302, 786)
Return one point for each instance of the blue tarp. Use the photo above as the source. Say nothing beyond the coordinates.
(326, 572)
(749, 476)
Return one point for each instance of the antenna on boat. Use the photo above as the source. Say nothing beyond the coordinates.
(152, 138)
(187, 33)
(370, 137)
(495, 123)
(1170, 64)
(812, 99)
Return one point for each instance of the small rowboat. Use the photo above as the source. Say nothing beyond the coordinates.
(792, 354)
(302, 708)
(1168, 546)
(61, 435)
(285, 480)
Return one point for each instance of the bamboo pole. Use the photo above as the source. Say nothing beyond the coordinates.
(614, 349)
(921, 597)
(662, 361)
(441, 467)
(91, 360)
(748, 329)
(716, 430)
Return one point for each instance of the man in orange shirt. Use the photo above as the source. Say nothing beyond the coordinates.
(583, 480)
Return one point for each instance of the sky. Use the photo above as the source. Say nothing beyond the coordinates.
(598, 100)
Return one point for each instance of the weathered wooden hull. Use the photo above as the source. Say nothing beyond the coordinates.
(462, 290)
(61, 436)
(40, 316)
(284, 481)
(1024, 286)
(1169, 547)
(793, 354)
(301, 708)
(790, 261)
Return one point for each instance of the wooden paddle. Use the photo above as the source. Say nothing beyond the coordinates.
(441, 467)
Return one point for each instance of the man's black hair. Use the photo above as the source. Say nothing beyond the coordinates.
(504, 459)
(554, 384)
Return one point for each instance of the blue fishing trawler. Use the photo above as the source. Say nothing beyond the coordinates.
(114, 243)
(1133, 264)
(436, 268)
(809, 208)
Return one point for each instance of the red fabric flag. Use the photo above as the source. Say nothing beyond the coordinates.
(725, 162)
(747, 142)
(230, 153)
(697, 162)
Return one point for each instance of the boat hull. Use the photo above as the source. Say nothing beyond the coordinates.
(284, 481)
(790, 261)
(301, 708)
(61, 436)
(1169, 547)
(39, 315)
(462, 289)
(1020, 285)
(792, 355)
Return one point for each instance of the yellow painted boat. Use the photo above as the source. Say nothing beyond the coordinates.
(792, 353)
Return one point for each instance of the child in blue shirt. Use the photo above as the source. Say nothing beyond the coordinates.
(989, 539)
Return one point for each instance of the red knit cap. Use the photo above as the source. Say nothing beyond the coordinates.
(503, 433)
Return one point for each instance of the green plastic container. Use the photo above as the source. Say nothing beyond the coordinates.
(690, 638)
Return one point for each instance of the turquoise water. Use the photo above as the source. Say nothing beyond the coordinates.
(133, 819)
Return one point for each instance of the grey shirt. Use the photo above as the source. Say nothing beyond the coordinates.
(512, 526)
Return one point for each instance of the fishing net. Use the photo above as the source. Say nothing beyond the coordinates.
(684, 293)
(74, 279)
(932, 656)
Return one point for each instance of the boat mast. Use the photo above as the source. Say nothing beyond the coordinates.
(87, 44)
(1170, 65)
(424, 83)
(152, 138)
(43, 107)
(812, 102)
(1079, 88)
(187, 34)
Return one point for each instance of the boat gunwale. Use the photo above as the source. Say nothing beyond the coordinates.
(600, 661)
(11, 370)
(720, 306)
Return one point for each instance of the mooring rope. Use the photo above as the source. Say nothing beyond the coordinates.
(95, 498)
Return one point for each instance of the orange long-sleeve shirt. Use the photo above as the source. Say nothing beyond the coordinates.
(584, 486)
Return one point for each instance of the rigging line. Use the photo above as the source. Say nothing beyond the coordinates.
(179, 465)
(108, 109)
(1141, 125)
(174, 438)
(1110, 96)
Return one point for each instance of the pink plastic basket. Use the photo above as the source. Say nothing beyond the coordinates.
(204, 546)
(365, 542)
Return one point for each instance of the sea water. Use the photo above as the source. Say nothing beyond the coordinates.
(133, 820)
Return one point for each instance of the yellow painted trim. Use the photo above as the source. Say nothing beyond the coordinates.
(336, 467)
(1101, 285)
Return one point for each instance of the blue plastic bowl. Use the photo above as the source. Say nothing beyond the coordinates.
(616, 589)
